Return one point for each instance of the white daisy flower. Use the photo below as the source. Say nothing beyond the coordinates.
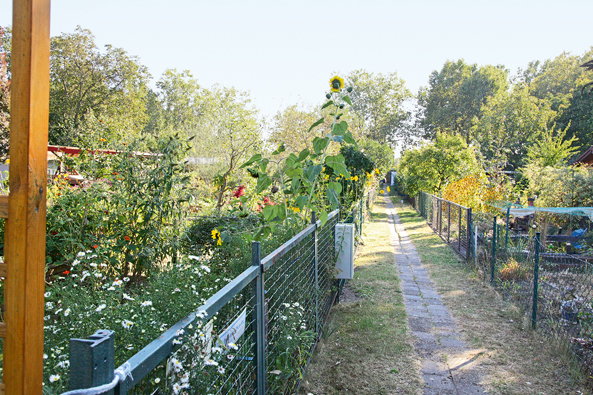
(53, 378)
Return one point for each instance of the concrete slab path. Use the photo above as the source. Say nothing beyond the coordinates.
(448, 367)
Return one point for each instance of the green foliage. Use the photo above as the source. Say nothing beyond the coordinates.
(381, 154)
(433, 166)
(577, 118)
(84, 81)
(299, 177)
(130, 208)
(510, 123)
(378, 100)
(551, 148)
(455, 96)
(565, 186)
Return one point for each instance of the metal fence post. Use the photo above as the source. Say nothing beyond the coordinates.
(92, 361)
(449, 222)
(535, 281)
(440, 216)
(260, 323)
(468, 234)
(316, 266)
(459, 233)
(493, 264)
(506, 238)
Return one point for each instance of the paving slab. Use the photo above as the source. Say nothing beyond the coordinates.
(448, 368)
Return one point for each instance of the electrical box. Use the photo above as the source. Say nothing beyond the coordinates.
(345, 251)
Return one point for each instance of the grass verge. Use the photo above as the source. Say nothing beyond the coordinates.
(517, 360)
(366, 347)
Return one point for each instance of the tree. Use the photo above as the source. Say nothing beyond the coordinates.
(381, 154)
(180, 101)
(452, 101)
(378, 100)
(229, 132)
(509, 124)
(110, 85)
(577, 117)
(552, 149)
(557, 79)
(291, 128)
(4, 92)
(431, 167)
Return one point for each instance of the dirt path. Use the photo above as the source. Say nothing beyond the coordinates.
(448, 367)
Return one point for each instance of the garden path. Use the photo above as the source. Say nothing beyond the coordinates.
(448, 367)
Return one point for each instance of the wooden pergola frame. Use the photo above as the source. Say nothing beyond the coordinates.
(25, 207)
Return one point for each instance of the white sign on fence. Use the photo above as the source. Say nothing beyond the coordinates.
(235, 330)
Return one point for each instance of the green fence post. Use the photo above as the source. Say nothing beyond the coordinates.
(535, 282)
(506, 239)
(92, 361)
(459, 233)
(469, 234)
(448, 222)
(260, 321)
(316, 266)
(493, 264)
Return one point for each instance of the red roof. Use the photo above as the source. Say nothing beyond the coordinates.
(587, 157)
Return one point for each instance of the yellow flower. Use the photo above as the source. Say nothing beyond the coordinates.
(102, 140)
(355, 178)
(215, 234)
(377, 171)
(388, 190)
(219, 241)
(7, 161)
(296, 209)
(369, 175)
(336, 84)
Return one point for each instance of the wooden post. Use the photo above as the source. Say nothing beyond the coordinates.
(25, 226)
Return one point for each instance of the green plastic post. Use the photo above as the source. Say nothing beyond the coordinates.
(493, 264)
(535, 282)
(260, 319)
(506, 239)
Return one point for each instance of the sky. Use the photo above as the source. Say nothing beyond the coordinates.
(285, 52)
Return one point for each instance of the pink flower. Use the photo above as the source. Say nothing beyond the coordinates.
(239, 192)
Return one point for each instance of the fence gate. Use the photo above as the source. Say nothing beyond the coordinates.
(25, 207)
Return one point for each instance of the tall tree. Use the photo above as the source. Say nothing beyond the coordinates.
(229, 131)
(509, 124)
(452, 101)
(110, 84)
(557, 79)
(291, 128)
(379, 101)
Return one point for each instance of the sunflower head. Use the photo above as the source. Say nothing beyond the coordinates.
(336, 83)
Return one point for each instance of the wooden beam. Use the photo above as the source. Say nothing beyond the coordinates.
(24, 245)
(2, 329)
(3, 206)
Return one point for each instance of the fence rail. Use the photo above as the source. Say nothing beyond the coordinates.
(451, 221)
(262, 327)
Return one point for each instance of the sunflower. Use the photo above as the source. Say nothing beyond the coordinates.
(336, 84)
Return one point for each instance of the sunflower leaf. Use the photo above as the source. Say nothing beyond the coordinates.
(329, 103)
(347, 99)
(317, 123)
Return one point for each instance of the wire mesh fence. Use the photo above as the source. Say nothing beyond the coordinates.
(533, 270)
(451, 221)
(254, 336)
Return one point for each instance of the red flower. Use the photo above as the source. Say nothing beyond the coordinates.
(95, 246)
(127, 238)
(239, 192)
(66, 272)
